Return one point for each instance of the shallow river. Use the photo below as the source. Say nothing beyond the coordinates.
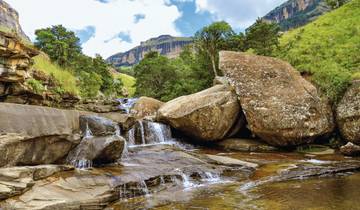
(263, 189)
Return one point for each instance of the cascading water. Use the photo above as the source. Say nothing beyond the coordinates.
(161, 132)
(88, 133)
(126, 104)
(142, 132)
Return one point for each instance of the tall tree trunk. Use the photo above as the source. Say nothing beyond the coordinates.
(214, 66)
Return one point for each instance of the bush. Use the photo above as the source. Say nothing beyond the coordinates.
(90, 84)
(35, 85)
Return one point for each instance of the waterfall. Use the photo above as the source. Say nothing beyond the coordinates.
(88, 134)
(161, 132)
(131, 137)
(142, 131)
(126, 104)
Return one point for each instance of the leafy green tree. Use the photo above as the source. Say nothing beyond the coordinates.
(90, 84)
(211, 39)
(60, 44)
(263, 37)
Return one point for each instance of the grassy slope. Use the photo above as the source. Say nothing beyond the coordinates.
(129, 82)
(328, 49)
(64, 77)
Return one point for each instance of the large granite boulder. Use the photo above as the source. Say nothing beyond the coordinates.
(208, 115)
(348, 114)
(32, 135)
(145, 106)
(280, 106)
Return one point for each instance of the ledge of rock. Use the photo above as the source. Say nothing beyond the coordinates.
(208, 115)
(280, 106)
(348, 114)
(31, 135)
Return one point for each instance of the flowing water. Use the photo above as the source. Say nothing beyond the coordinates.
(269, 187)
(126, 104)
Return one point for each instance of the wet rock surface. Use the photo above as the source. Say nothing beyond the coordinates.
(97, 188)
(99, 126)
(245, 145)
(350, 149)
(97, 150)
(348, 114)
(207, 116)
(16, 180)
(280, 106)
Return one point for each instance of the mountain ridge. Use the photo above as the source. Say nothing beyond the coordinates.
(166, 45)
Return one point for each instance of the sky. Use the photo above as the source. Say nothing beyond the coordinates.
(107, 27)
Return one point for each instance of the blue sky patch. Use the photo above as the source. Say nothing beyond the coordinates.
(86, 33)
(190, 21)
(138, 17)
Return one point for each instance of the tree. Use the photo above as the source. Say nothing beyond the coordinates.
(90, 84)
(61, 45)
(211, 39)
(262, 37)
(336, 3)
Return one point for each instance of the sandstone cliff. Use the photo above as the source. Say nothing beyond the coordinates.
(166, 45)
(295, 13)
(9, 20)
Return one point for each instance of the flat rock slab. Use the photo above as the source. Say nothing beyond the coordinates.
(231, 161)
(16, 180)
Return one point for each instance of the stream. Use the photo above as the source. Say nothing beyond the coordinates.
(160, 172)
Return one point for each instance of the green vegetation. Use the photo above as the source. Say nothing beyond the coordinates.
(129, 83)
(262, 37)
(336, 3)
(165, 79)
(63, 48)
(35, 85)
(328, 49)
(211, 39)
(66, 80)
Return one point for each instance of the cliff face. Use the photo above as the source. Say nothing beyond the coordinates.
(295, 13)
(166, 45)
(9, 20)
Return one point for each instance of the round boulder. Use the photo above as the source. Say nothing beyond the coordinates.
(348, 114)
(280, 106)
(208, 115)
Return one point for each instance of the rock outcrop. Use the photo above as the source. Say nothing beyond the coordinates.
(145, 106)
(348, 114)
(32, 135)
(280, 106)
(350, 149)
(295, 13)
(166, 45)
(208, 115)
(17, 180)
(9, 20)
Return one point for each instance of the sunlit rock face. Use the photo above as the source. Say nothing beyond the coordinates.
(280, 106)
(295, 13)
(32, 135)
(9, 20)
(206, 116)
(166, 45)
(348, 114)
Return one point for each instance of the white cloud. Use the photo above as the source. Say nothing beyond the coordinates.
(239, 13)
(108, 18)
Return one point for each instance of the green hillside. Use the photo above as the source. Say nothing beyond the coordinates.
(328, 49)
(129, 83)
